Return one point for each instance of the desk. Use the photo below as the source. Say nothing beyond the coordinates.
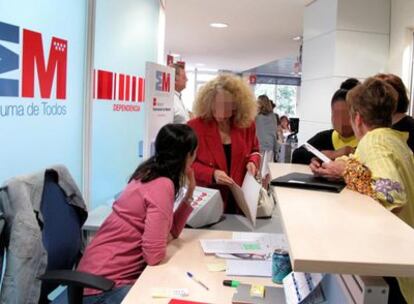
(232, 222)
(345, 233)
(185, 254)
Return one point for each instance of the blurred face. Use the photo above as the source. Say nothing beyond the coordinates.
(284, 122)
(223, 106)
(180, 80)
(341, 121)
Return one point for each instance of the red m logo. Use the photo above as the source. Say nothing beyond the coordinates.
(165, 82)
(33, 55)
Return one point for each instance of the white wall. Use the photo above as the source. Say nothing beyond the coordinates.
(401, 38)
(34, 140)
(342, 39)
(126, 36)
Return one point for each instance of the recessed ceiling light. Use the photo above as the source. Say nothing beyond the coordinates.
(219, 25)
(297, 38)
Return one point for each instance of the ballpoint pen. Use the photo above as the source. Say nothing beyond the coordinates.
(190, 275)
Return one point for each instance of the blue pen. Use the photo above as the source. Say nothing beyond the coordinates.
(190, 275)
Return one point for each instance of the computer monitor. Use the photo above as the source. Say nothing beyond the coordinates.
(294, 124)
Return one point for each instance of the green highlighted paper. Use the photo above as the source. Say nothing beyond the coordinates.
(251, 246)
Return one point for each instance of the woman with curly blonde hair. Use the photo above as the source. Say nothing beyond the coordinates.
(225, 110)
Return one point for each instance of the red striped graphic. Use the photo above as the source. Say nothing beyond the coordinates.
(121, 87)
(127, 87)
(112, 86)
(134, 88)
(104, 84)
(115, 81)
(141, 85)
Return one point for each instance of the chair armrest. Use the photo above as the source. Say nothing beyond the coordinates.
(77, 278)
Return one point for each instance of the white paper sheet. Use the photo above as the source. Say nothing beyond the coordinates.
(254, 266)
(303, 287)
(232, 246)
(271, 241)
(249, 268)
(267, 158)
(247, 196)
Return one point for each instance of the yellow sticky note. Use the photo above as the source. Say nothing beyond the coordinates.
(163, 292)
(257, 291)
(216, 267)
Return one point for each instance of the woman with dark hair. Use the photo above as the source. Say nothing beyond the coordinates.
(382, 166)
(142, 220)
(400, 120)
(349, 84)
(334, 142)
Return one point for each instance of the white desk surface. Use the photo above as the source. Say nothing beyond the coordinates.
(232, 222)
(185, 254)
(342, 233)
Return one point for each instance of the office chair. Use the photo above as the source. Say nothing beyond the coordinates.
(62, 239)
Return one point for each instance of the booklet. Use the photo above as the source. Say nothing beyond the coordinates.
(247, 196)
(317, 153)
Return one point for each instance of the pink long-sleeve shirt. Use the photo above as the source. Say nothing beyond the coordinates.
(135, 233)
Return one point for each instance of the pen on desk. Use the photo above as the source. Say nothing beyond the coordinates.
(190, 275)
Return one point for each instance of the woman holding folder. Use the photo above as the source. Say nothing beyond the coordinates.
(225, 110)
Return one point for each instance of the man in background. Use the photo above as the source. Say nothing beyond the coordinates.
(181, 114)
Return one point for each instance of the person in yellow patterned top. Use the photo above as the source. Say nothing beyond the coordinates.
(382, 165)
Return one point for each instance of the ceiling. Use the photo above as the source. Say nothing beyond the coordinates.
(259, 32)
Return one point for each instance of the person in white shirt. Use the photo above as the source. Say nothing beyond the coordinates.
(181, 114)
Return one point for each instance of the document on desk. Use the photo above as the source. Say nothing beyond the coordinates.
(304, 288)
(232, 246)
(253, 266)
(247, 196)
(271, 241)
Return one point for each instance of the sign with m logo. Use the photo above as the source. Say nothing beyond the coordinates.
(33, 63)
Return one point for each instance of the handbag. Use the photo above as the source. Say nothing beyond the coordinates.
(267, 200)
(266, 204)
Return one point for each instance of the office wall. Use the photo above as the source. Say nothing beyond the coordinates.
(125, 38)
(401, 38)
(40, 120)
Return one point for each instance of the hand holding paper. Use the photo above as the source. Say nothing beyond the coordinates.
(247, 197)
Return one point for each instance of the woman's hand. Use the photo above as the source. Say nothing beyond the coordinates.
(251, 168)
(191, 184)
(222, 178)
(315, 165)
(333, 170)
(332, 154)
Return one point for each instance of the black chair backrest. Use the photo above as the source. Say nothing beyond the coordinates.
(62, 228)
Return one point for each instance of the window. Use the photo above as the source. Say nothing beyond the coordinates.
(285, 96)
